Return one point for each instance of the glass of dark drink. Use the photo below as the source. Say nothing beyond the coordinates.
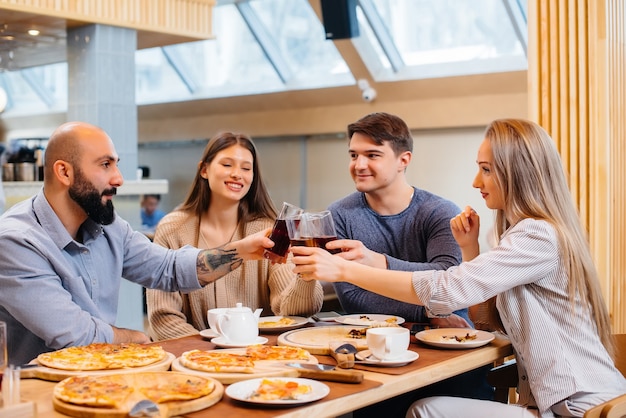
(313, 229)
(321, 228)
(280, 236)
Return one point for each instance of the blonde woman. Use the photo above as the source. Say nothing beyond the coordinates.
(228, 200)
(541, 273)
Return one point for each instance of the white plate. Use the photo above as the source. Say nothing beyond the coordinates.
(209, 333)
(220, 342)
(366, 356)
(369, 319)
(445, 337)
(299, 321)
(241, 391)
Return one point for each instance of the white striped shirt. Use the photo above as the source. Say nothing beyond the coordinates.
(557, 347)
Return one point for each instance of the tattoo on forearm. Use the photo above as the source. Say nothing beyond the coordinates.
(214, 263)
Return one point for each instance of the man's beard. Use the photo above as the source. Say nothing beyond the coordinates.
(87, 196)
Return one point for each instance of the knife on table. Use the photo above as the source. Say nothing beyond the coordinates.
(326, 372)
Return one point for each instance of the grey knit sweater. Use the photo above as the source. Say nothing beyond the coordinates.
(418, 238)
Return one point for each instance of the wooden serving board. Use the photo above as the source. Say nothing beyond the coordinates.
(317, 340)
(166, 409)
(56, 375)
(262, 368)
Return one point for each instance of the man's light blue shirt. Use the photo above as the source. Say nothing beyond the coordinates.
(57, 292)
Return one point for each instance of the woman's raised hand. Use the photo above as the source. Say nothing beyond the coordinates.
(465, 227)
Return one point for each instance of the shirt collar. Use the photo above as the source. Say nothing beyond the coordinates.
(49, 220)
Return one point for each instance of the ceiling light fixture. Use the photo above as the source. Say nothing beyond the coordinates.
(33, 32)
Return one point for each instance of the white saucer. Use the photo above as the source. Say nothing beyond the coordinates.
(366, 357)
(220, 342)
(209, 333)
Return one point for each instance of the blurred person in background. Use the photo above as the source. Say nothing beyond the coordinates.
(150, 212)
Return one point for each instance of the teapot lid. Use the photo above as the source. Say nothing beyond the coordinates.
(240, 308)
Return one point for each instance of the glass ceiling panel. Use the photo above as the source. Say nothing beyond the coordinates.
(443, 38)
(156, 79)
(231, 64)
(301, 39)
(234, 63)
(265, 46)
(36, 90)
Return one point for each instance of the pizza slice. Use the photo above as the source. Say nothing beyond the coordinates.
(277, 389)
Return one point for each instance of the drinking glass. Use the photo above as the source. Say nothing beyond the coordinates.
(280, 236)
(313, 229)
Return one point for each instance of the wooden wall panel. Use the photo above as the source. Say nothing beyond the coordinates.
(192, 18)
(576, 83)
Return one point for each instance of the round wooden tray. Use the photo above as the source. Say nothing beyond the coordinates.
(167, 409)
(317, 340)
(262, 368)
(56, 375)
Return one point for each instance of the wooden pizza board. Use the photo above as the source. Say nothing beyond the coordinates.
(166, 409)
(262, 368)
(56, 375)
(317, 340)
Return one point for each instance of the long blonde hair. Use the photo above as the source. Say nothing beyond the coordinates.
(529, 172)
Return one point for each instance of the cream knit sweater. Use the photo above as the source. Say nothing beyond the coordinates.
(256, 284)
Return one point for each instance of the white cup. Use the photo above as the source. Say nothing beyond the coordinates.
(387, 343)
(212, 315)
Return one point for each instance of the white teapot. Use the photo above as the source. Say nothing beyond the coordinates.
(239, 325)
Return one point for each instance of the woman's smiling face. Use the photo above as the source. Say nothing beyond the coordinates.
(230, 173)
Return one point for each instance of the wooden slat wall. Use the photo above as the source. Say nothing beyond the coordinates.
(191, 18)
(577, 83)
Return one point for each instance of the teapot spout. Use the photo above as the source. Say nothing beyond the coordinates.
(257, 313)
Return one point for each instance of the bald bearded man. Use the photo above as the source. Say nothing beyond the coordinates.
(65, 251)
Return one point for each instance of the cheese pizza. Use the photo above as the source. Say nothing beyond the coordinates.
(239, 362)
(277, 352)
(110, 391)
(119, 390)
(103, 356)
(217, 362)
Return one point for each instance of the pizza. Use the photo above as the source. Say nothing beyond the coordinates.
(282, 322)
(103, 356)
(110, 391)
(120, 391)
(277, 389)
(277, 352)
(177, 387)
(239, 362)
(217, 362)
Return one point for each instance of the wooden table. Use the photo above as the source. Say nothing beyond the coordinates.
(433, 365)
